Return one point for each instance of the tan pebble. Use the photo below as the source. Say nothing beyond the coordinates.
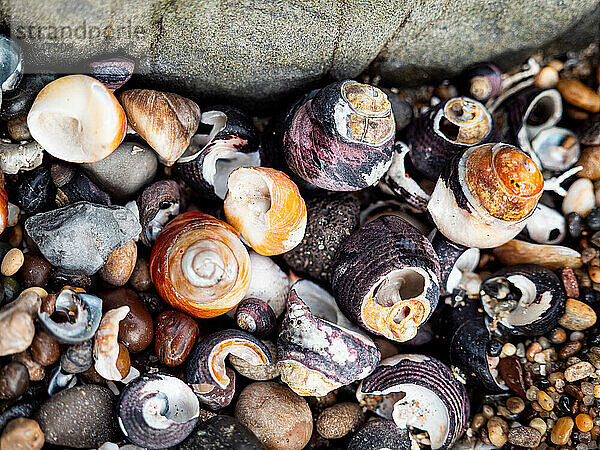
(533, 350)
(524, 437)
(538, 424)
(558, 336)
(578, 94)
(12, 262)
(18, 129)
(561, 432)
(584, 422)
(569, 349)
(15, 235)
(578, 371)
(38, 290)
(22, 434)
(590, 161)
(509, 349)
(545, 401)
(515, 405)
(546, 78)
(140, 278)
(119, 265)
(478, 421)
(339, 420)
(578, 316)
(580, 197)
(497, 431)
(556, 64)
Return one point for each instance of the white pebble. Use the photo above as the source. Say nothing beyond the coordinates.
(580, 197)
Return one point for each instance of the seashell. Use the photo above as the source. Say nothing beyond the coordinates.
(380, 434)
(445, 131)
(75, 318)
(75, 118)
(77, 358)
(59, 381)
(482, 82)
(340, 138)
(166, 121)
(17, 157)
(421, 392)
(545, 226)
(3, 209)
(18, 102)
(266, 208)
(157, 205)
(385, 278)
(255, 317)
(556, 148)
(485, 196)
(524, 300)
(455, 259)
(157, 411)
(113, 72)
(215, 157)
(268, 282)
(199, 265)
(394, 208)
(590, 163)
(316, 356)
(578, 94)
(106, 346)
(403, 181)
(580, 198)
(16, 323)
(205, 372)
(73, 186)
(11, 64)
(552, 257)
(258, 373)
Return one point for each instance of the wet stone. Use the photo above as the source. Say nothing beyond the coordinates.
(578, 371)
(524, 437)
(511, 371)
(221, 433)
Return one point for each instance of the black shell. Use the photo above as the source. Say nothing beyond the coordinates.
(498, 293)
(380, 434)
(77, 358)
(163, 197)
(73, 186)
(112, 73)
(398, 371)
(256, 317)
(481, 82)
(448, 255)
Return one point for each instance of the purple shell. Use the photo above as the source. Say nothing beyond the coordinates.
(112, 73)
(482, 82)
(157, 204)
(341, 356)
(417, 375)
(453, 257)
(256, 317)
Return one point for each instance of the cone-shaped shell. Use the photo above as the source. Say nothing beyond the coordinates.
(77, 119)
(199, 265)
(434, 400)
(166, 121)
(385, 278)
(266, 208)
(484, 196)
(315, 356)
(106, 345)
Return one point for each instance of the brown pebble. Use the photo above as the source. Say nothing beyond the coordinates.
(339, 420)
(574, 391)
(140, 278)
(515, 405)
(12, 262)
(14, 380)
(34, 369)
(497, 431)
(532, 350)
(35, 271)
(578, 316)
(545, 401)
(558, 336)
(594, 273)
(22, 434)
(578, 371)
(561, 432)
(44, 348)
(569, 349)
(584, 422)
(511, 371)
(174, 337)
(18, 129)
(590, 161)
(524, 436)
(569, 281)
(119, 265)
(15, 235)
(578, 94)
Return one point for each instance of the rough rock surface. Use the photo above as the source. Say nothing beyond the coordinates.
(259, 51)
(82, 235)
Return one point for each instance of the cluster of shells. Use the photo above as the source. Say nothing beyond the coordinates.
(163, 262)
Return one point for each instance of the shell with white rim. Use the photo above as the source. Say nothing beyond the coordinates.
(199, 265)
(484, 197)
(316, 356)
(206, 373)
(418, 392)
(526, 300)
(386, 278)
(157, 411)
(107, 349)
(157, 204)
(545, 226)
(266, 208)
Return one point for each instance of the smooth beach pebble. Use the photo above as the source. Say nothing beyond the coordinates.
(578, 316)
(12, 262)
(221, 433)
(22, 434)
(338, 420)
(120, 264)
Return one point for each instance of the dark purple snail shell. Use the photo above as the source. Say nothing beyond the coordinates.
(454, 258)
(429, 386)
(380, 434)
(525, 300)
(207, 173)
(161, 398)
(157, 204)
(256, 317)
(309, 344)
(112, 73)
(331, 143)
(432, 146)
(368, 263)
(201, 370)
(481, 82)
(74, 186)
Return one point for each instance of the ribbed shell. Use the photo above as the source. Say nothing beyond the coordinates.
(448, 253)
(429, 373)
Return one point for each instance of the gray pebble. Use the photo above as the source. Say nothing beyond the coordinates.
(82, 235)
(221, 433)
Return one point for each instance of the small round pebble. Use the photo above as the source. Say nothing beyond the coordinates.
(22, 434)
(14, 380)
(524, 436)
(119, 265)
(12, 262)
(574, 224)
(515, 405)
(140, 278)
(593, 219)
(35, 271)
(578, 316)
(44, 348)
(584, 422)
(497, 431)
(380, 434)
(539, 424)
(578, 371)
(561, 432)
(338, 420)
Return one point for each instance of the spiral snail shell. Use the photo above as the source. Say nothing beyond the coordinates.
(482, 82)
(199, 265)
(484, 197)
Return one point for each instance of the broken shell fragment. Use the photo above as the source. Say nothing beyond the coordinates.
(199, 265)
(550, 256)
(316, 356)
(157, 411)
(157, 204)
(166, 121)
(418, 392)
(266, 208)
(525, 300)
(256, 317)
(385, 278)
(455, 259)
(340, 138)
(107, 349)
(75, 118)
(484, 197)
(556, 148)
(206, 373)
(17, 157)
(16, 323)
(580, 198)
(75, 318)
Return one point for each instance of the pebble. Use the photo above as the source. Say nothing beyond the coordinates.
(478, 421)
(14, 380)
(570, 282)
(17, 157)
(18, 130)
(569, 349)
(584, 422)
(561, 432)
(578, 316)
(578, 371)
(511, 371)
(558, 336)
(35, 271)
(515, 405)
(22, 434)
(590, 161)
(80, 417)
(81, 236)
(509, 349)
(539, 425)
(545, 401)
(221, 432)
(532, 350)
(380, 434)
(261, 401)
(580, 197)
(12, 262)
(524, 436)
(574, 224)
(546, 79)
(339, 420)
(497, 431)
(120, 264)
(175, 334)
(44, 348)
(77, 358)
(140, 278)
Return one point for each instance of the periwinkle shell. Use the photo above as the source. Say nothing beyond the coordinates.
(481, 82)
(157, 204)
(385, 278)
(454, 260)
(256, 317)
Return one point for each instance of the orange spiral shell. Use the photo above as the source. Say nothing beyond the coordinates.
(199, 265)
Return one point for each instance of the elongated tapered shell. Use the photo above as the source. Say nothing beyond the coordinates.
(265, 206)
(165, 120)
(77, 119)
(106, 345)
(199, 265)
